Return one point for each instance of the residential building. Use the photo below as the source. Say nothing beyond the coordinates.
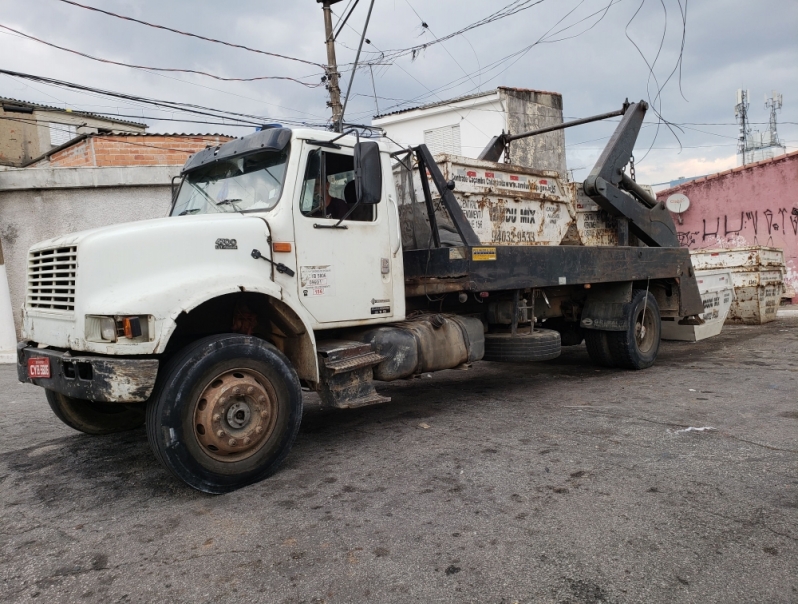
(465, 125)
(29, 130)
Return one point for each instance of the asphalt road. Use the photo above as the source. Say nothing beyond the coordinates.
(554, 482)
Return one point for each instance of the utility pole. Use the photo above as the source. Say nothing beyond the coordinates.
(332, 66)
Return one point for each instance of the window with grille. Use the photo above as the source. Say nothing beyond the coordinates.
(443, 140)
(62, 133)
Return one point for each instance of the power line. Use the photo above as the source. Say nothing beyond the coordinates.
(511, 9)
(517, 55)
(192, 35)
(166, 69)
(170, 105)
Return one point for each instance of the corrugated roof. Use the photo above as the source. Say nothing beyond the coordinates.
(467, 97)
(758, 164)
(173, 134)
(18, 103)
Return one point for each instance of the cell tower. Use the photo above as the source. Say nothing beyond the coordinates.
(753, 146)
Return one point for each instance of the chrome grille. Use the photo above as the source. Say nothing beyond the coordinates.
(51, 278)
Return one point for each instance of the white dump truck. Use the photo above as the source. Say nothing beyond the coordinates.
(310, 259)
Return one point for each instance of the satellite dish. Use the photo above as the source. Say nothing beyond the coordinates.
(677, 203)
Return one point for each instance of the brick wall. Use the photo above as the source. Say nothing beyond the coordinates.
(114, 150)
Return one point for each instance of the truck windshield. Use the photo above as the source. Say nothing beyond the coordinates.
(250, 183)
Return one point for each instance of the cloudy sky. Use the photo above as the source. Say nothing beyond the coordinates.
(595, 52)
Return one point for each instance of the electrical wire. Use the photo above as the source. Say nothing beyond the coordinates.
(165, 69)
(192, 35)
(170, 105)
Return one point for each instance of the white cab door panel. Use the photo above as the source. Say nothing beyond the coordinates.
(343, 274)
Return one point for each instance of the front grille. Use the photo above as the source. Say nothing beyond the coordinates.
(51, 278)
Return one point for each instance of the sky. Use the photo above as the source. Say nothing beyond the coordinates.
(686, 58)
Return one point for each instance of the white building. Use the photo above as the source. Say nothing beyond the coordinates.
(464, 126)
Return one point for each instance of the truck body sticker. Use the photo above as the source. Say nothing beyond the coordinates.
(479, 254)
(316, 281)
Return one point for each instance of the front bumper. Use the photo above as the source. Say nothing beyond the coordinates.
(93, 378)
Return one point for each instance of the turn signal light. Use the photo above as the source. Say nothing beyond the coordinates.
(132, 327)
(284, 247)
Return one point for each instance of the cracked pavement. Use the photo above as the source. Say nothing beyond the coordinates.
(550, 482)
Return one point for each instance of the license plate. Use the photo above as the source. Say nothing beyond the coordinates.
(39, 367)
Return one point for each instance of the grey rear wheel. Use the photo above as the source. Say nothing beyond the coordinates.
(540, 345)
(638, 345)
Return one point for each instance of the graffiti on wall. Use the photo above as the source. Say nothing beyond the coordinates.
(767, 223)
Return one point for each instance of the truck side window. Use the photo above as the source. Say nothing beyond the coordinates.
(336, 197)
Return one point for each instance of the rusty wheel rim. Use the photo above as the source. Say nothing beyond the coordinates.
(645, 331)
(235, 415)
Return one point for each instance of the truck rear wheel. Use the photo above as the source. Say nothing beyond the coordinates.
(637, 347)
(95, 418)
(540, 345)
(226, 412)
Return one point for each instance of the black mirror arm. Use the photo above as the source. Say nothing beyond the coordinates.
(281, 268)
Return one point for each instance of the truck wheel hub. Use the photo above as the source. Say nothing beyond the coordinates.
(235, 415)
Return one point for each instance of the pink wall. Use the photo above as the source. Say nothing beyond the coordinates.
(751, 205)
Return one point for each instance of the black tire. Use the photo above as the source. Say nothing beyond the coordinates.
(637, 347)
(95, 418)
(225, 413)
(540, 345)
(598, 348)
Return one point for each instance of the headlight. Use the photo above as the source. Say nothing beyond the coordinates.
(108, 329)
(118, 328)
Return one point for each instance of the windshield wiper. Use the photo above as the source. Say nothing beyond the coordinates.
(191, 211)
(232, 202)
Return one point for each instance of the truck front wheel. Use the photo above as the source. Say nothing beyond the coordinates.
(95, 418)
(225, 413)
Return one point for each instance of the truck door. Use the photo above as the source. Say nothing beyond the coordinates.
(344, 273)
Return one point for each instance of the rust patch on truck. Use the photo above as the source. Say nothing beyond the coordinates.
(93, 378)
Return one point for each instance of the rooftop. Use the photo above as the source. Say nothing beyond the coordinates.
(460, 99)
(702, 179)
(11, 104)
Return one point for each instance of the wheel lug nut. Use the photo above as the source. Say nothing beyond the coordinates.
(261, 399)
(247, 440)
(216, 417)
(258, 429)
(250, 390)
(236, 390)
(264, 413)
(232, 442)
(220, 433)
(222, 400)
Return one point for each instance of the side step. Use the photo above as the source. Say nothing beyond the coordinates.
(347, 375)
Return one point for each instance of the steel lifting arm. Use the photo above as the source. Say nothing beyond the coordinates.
(426, 163)
(619, 195)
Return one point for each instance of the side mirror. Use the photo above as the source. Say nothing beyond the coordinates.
(368, 172)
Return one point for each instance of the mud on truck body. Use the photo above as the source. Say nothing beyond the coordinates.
(308, 259)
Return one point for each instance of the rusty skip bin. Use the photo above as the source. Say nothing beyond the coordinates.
(508, 204)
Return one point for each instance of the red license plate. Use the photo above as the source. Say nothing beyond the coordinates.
(39, 367)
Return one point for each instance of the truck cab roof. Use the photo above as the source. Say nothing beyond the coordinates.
(271, 139)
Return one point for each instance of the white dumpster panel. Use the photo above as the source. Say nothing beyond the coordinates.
(717, 292)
